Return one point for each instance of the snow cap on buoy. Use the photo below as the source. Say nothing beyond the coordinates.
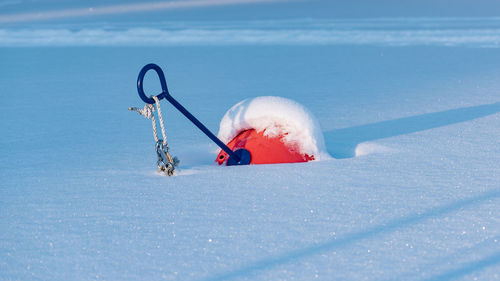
(273, 130)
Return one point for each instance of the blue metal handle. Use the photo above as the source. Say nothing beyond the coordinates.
(163, 82)
(239, 158)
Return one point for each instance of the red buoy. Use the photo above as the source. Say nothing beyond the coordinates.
(264, 149)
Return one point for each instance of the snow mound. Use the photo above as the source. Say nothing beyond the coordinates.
(276, 116)
(366, 148)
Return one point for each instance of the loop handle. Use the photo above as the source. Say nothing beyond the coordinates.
(163, 82)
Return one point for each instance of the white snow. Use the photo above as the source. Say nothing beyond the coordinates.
(366, 148)
(276, 116)
(468, 32)
(413, 191)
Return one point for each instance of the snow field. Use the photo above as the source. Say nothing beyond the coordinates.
(411, 192)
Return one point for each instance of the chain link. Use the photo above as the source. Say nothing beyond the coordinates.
(165, 163)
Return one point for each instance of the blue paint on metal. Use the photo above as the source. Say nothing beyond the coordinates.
(244, 157)
(239, 157)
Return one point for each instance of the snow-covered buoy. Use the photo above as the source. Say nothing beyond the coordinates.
(273, 130)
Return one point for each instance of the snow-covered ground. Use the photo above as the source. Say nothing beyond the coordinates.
(412, 191)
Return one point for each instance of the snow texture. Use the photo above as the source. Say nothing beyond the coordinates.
(469, 32)
(276, 117)
(412, 191)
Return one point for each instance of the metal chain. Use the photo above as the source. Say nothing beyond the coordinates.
(165, 162)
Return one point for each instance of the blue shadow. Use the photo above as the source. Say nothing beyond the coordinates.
(468, 268)
(349, 239)
(341, 143)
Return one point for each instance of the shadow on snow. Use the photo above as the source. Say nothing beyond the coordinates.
(341, 143)
(468, 268)
(349, 239)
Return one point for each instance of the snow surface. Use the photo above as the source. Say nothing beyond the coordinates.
(276, 117)
(468, 32)
(412, 191)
